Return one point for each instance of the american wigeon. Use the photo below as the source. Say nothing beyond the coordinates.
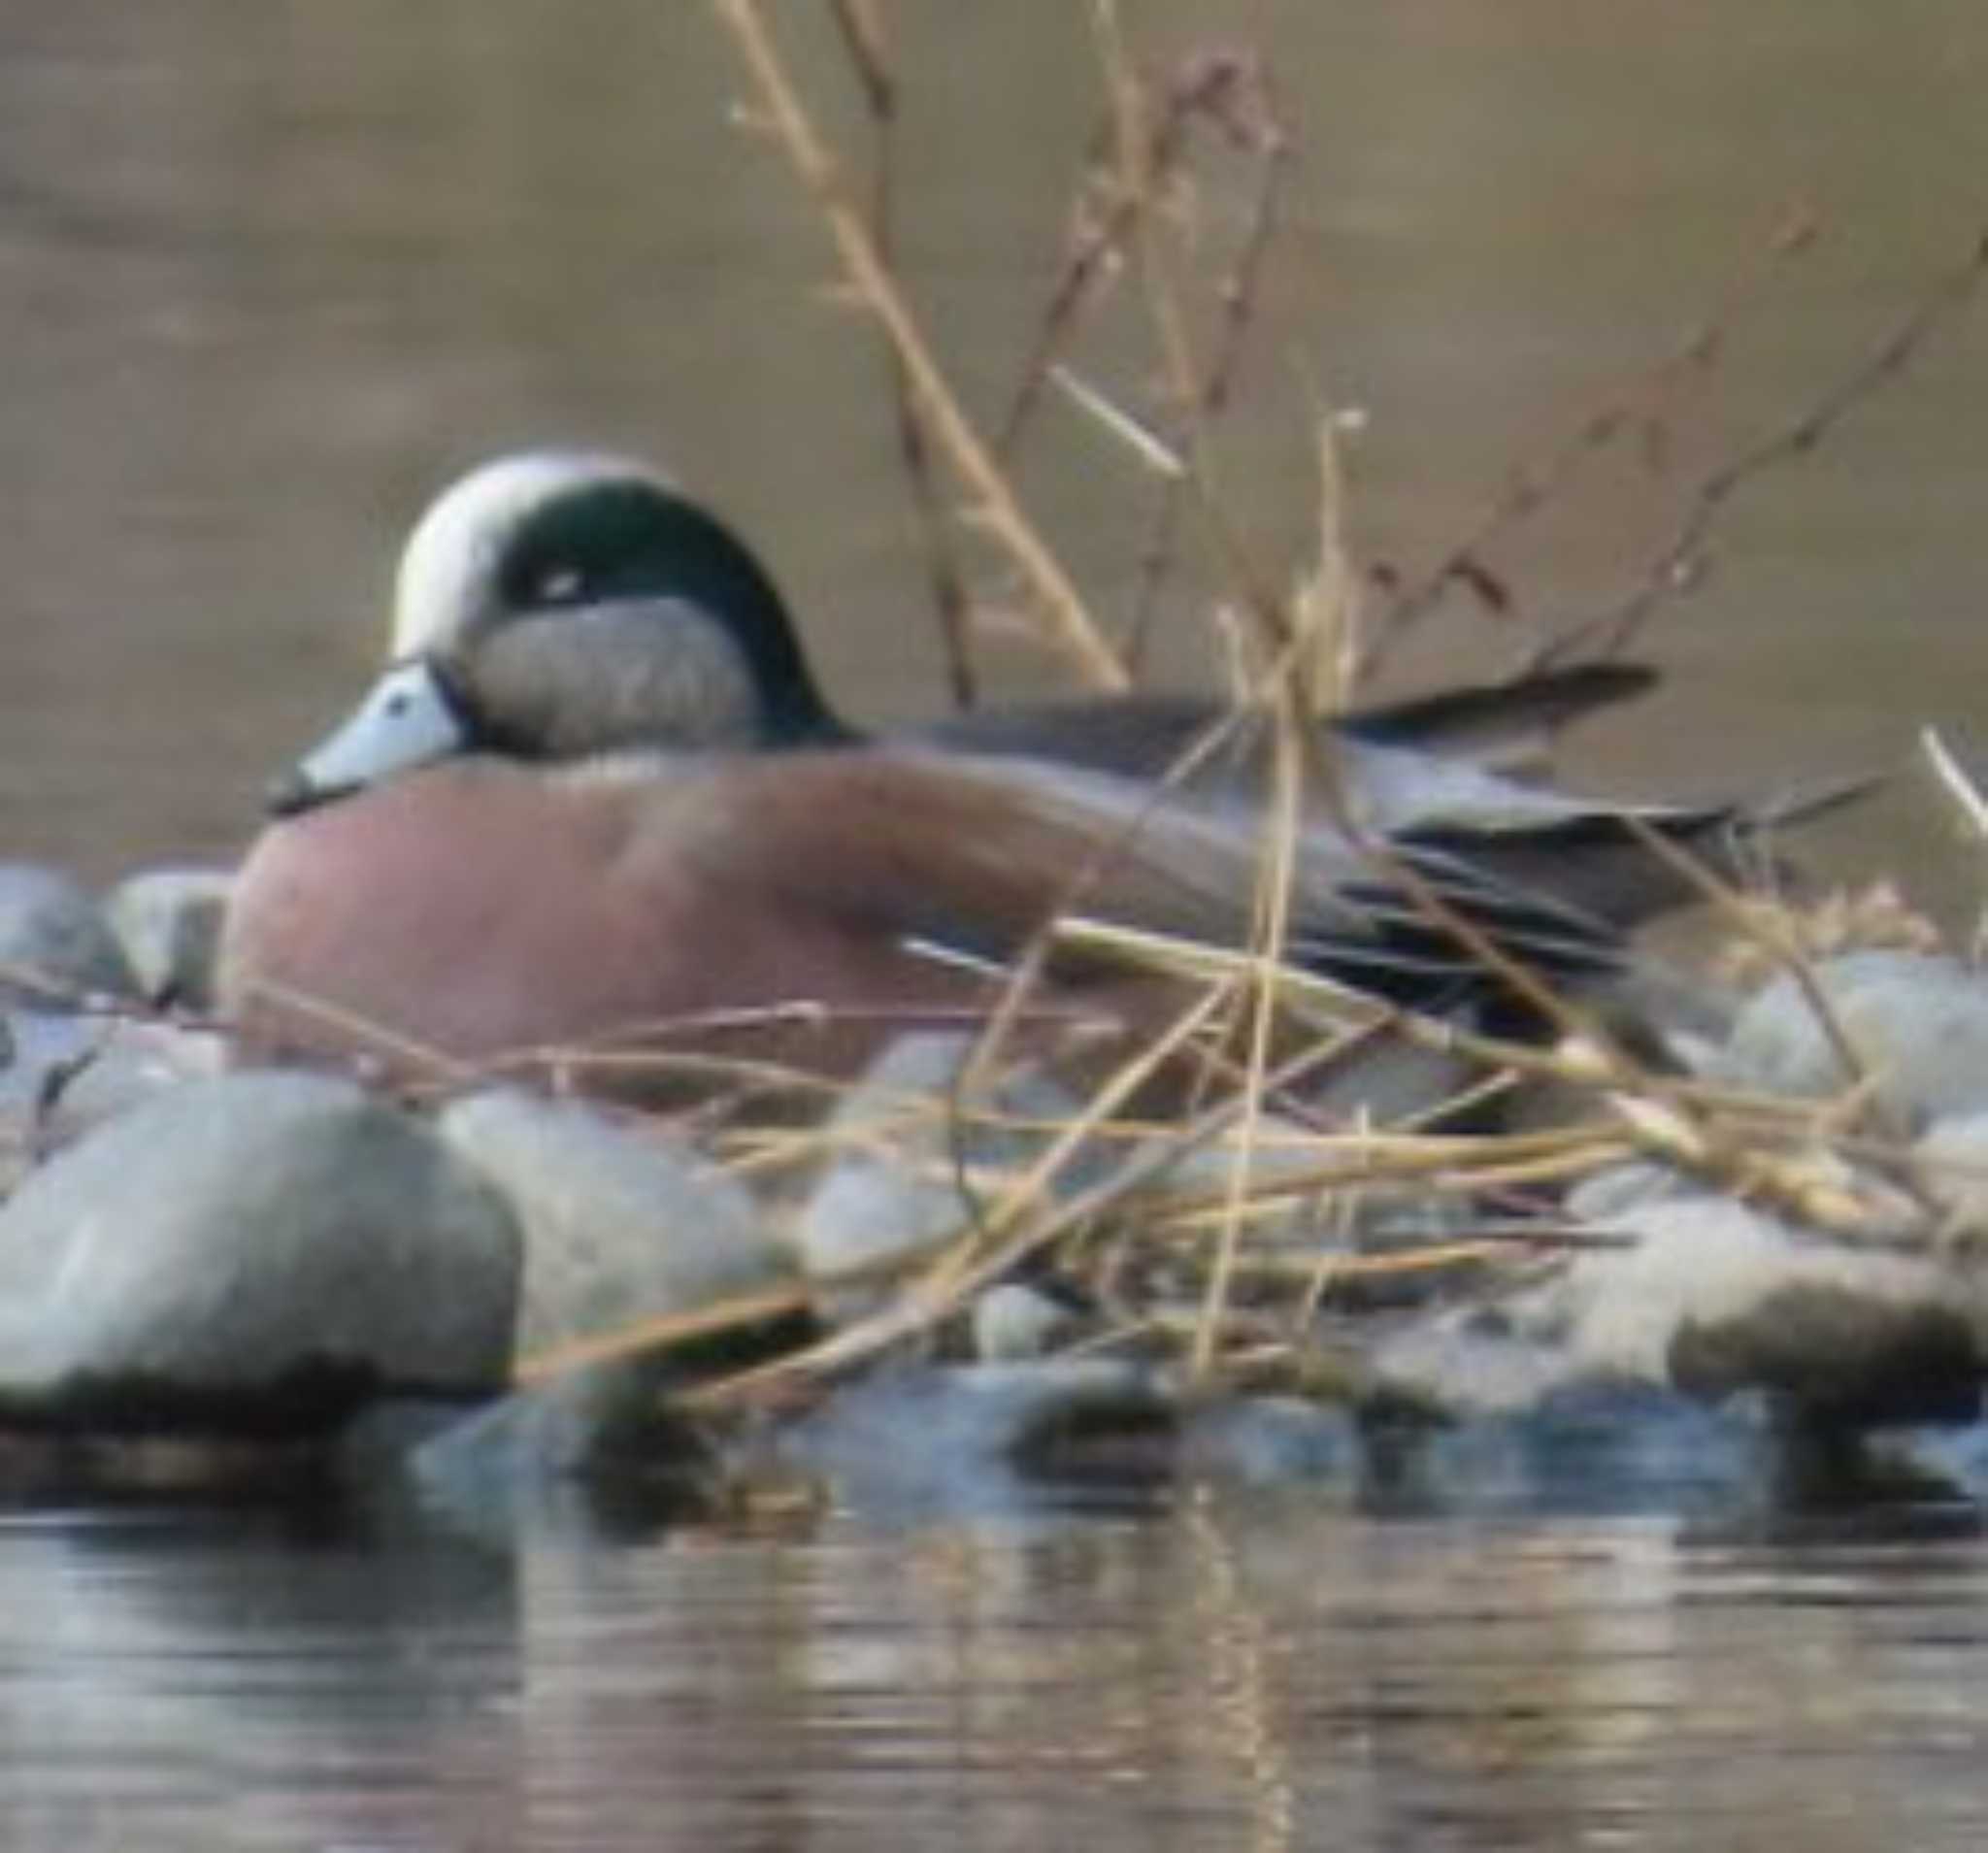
(598, 795)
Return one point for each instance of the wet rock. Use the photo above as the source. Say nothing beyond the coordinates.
(1587, 1447)
(1918, 1023)
(1265, 1443)
(896, 1190)
(169, 924)
(258, 1253)
(918, 1439)
(621, 1221)
(55, 943)
(1838, 1354)
(606, 1426)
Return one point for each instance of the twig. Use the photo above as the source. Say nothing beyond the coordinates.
(1064, 622)
(1186, 380)
(867, 43)
(1677, 564)
(1631, 410)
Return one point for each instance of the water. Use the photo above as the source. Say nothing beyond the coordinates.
(271, 272)
(1196, 1675)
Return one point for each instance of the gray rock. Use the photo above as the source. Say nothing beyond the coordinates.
(38, 1048)
(168, 923)
(1717, 1298)
(70, 1073)
(259, 1252)
(1283, 1167)
(608, 1425)
(1953, 1160)
(55, 943)
(1465, 1363)
(1012, 1321)
(1272, 1442)
(1585, 1447)
(896, 1192)
(1918, 1023)
(621, 1221)
(1389, 1081)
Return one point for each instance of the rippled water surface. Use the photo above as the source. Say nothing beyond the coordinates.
(271, 271)
(1195, 1675)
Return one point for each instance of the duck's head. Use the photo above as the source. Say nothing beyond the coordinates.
(560, 604)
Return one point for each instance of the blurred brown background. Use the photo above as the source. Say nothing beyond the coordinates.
(271, 272)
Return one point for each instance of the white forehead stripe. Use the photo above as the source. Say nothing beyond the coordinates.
(447, 569)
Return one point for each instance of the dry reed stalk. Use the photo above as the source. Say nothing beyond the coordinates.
(1184, 379)
(1970, 806)
(390, 1043)
(645, 1336)
(1955, 784)
(1767, 928)
(1663, 1117)
(995, 509)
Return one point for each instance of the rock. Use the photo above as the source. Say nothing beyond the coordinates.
(1387, 1081)
(169, 924)
(916, 1441)
(38, 1048)
(1717, 1298)
(1953, 1160)
(1918, 1023)
(1838, 1354)
(1012, 1321)
(64, 1072)
(1283, 1166)
(622, 1222)
(1587, 1447)
(257, 1253)
(624, 1225)
(55, 944)
(71, 1072)
(895, 1192)
(604, 1425)
(1265, 1443)
(1459, 1364)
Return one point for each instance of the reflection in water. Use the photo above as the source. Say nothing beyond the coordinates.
(1196, 1676)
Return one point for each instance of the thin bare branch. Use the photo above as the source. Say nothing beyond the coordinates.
(1065, 623)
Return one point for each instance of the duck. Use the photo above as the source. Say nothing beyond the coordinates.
(597, 800)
